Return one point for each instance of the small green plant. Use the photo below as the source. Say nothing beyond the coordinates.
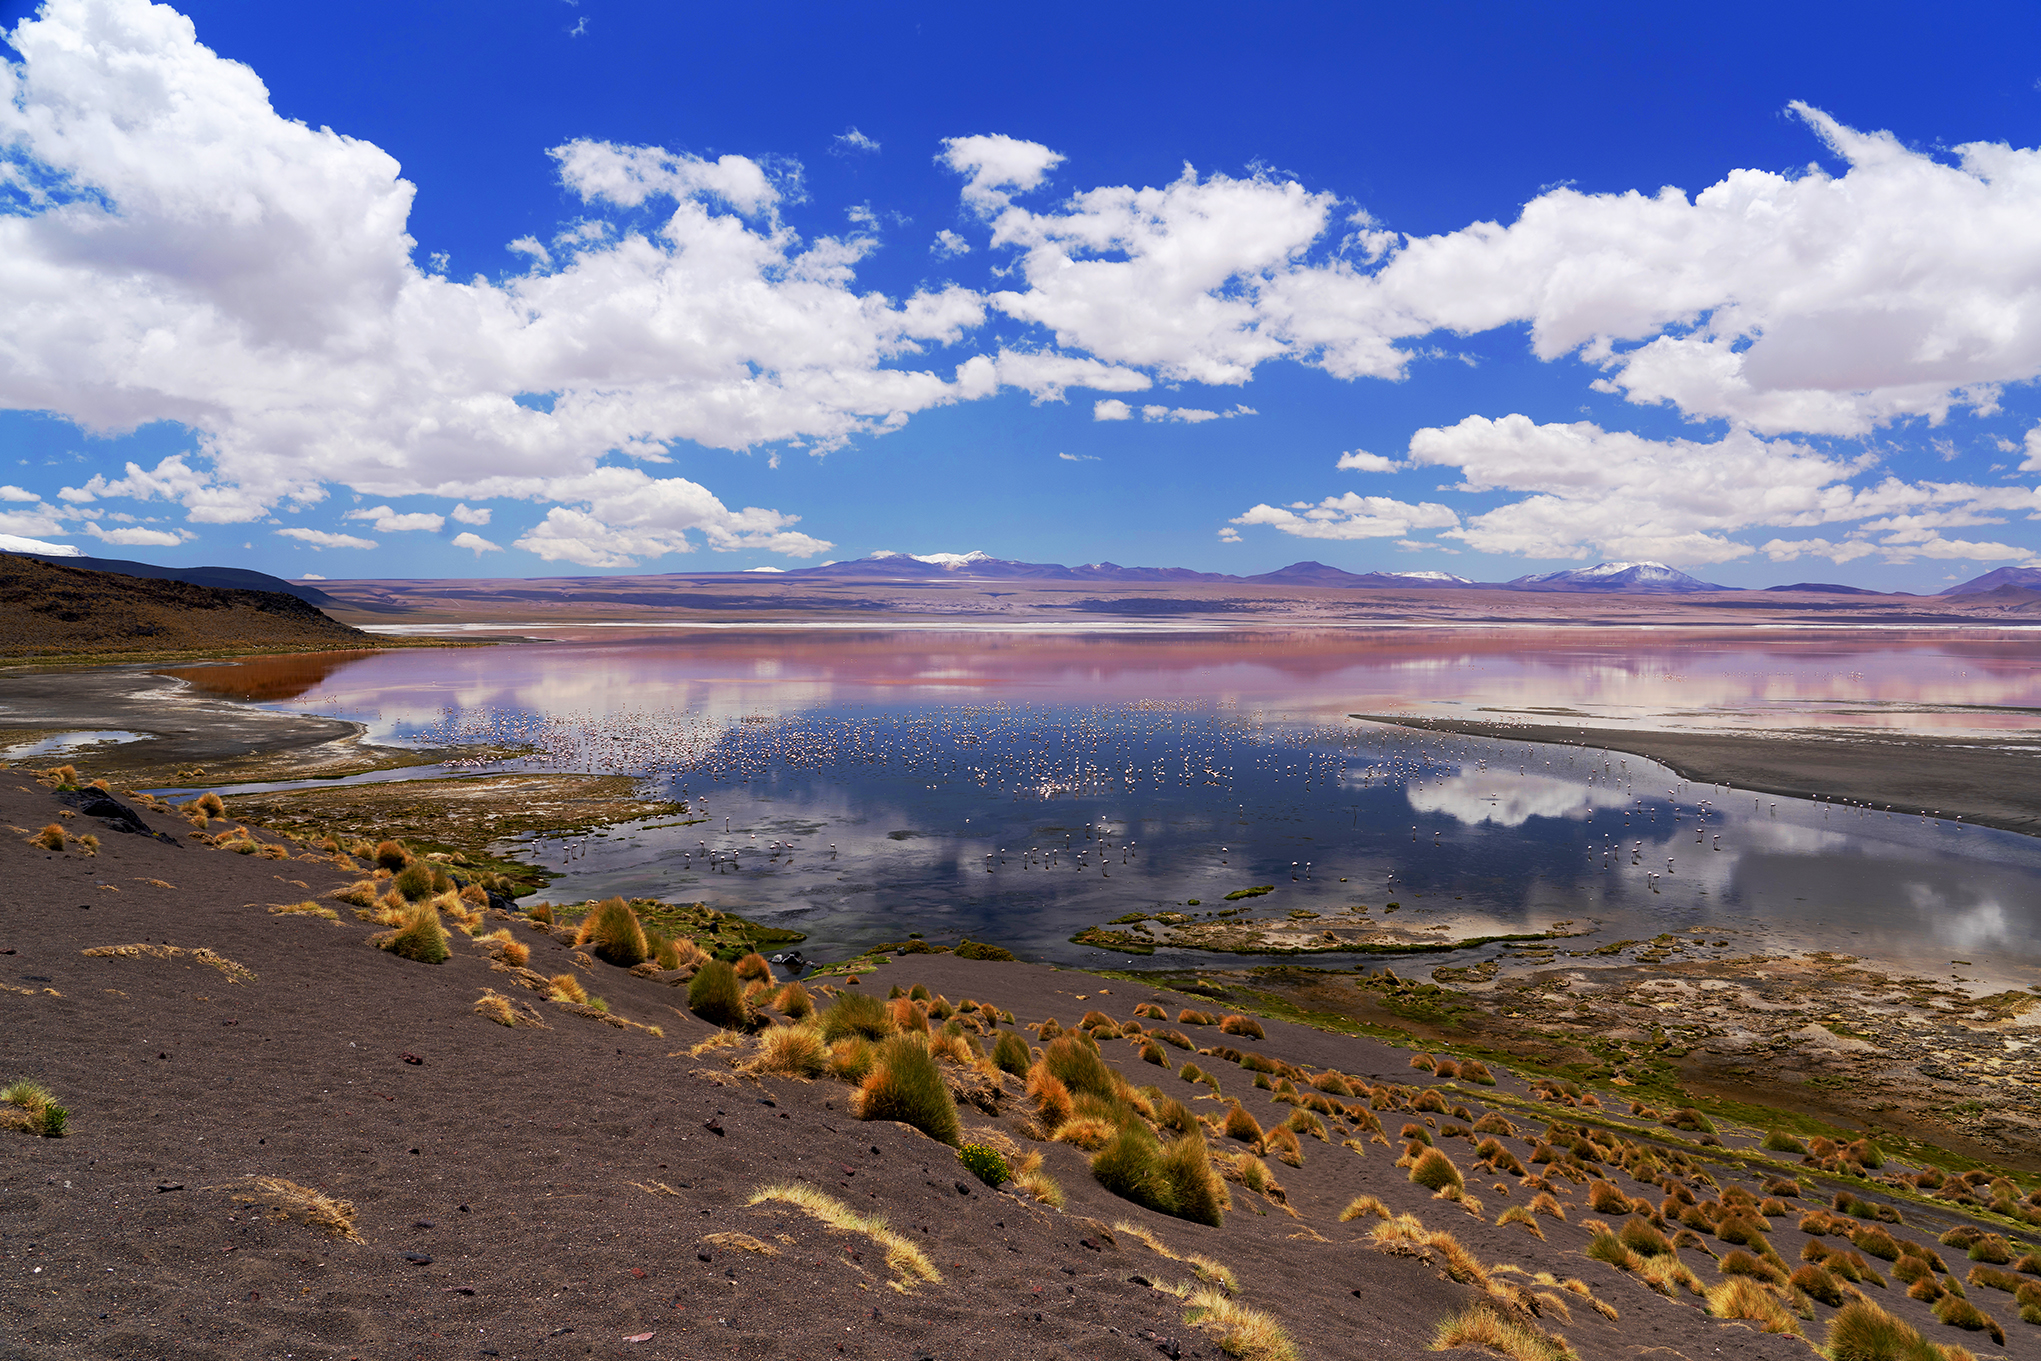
(715, 995)
(1778, 1141)
(986, 1163)
(40, 1113)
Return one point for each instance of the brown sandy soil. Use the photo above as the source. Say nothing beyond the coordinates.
(50, 610)
(564, 1190)
(1993, 782)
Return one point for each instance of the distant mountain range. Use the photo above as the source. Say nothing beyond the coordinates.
(2019, 578)
(1607, 578)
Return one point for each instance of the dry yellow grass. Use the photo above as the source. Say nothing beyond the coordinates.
(235, 973)
(740, 1242)
(908, 1261)
(50, 838)
(1742, 1297)
(307, 908)
(790, 1051)
(292, 1201)
(1482, 1326)
(504, 1011)
(1028, 1176)
(1364, 1205)
(565, 987)
(1250, 1334)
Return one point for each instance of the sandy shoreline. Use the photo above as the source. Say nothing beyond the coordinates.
(1984, 781)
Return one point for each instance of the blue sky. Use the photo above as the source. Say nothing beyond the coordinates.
(537, 287)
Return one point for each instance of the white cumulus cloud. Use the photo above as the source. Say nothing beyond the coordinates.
(480, 545)
(1361, 461)
(471, 515)
(1110, 409)
(388, 521)
(319, 538)
(1351, 517)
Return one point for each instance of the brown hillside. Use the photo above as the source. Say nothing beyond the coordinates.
(47, 610)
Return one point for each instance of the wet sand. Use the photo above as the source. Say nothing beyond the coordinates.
(1991, 782)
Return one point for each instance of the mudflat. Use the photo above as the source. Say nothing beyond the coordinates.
(1989, 781)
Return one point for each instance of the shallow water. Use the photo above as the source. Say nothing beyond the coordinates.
(859, 785)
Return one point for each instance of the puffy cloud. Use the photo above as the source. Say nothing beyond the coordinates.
(1169, 278)
(1044, 374)
(1604, 493)
(1361, 461)
(388, 521)
(995, 164)
(948, 244)
(172, 249)
(1351, 517)
(617, 515)
(471, 515)
(1111, 410)
(134, 536)
(17, 494)
(474, 541)
(1790, 550)
(320, 538)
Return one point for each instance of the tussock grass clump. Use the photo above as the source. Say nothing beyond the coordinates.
(1958, 1312)
(1249, 1334)
(414, 881)
(50, 838)
(1861, 1331)
(1282, 1141)
(753, 966)
(1742, 1297)
(905, 1085)
(715, 995)
(1877, 1242)
(1175, 1180)
(1152, 1010)
(907, 1260)
(1606, 1247)
(906, 1016)
(34, 1109)
(852, 1013)
(1242, 1126)
(1446, 1068)
(1190, 1017)
(1640, 1237)
(1151, 1052)
(422, 938)
(496, 1007)
(1078, 1066)
(1434, 1171)
(565, 987)
(1030, 1177)
(389, 855)
(1817, 1284)
(1173, 1037)
(1305, 1122)
(1991, 1248)
(360, 893)
(291, 1201)
(850, 1059)
(1778, 1141)
(793, 1000)
(1474, 1070)
(1518, 1214)
(790, 1051)
(1604, 1198)
(1010, 1054)
(612, 933)
(1481, 1326)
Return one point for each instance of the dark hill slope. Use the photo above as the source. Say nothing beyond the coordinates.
(49, 610)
